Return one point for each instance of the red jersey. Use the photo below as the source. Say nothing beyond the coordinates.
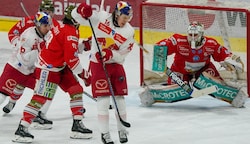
(15, 32)
(61, 49)
(188, 60)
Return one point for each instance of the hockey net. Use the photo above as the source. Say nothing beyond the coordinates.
(225, 21)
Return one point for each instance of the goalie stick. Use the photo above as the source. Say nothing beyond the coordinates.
(192, 92)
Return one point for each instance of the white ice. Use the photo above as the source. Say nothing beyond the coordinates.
(202, 120)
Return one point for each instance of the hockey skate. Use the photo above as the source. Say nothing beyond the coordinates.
(106, 138)
(41, 122)
(9, 107)
(123, 136)
(22, 135)
(79, 131)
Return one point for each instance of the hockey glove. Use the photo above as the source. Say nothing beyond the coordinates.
(87, 44)
(232, 63)
(113, 47)
(86, 77)
(84, 10)
(106, 55)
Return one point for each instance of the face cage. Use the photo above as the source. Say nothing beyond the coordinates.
(194, 39)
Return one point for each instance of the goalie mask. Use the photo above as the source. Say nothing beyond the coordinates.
(195, 33)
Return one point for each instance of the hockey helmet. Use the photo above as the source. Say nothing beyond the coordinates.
(68, 16)
(123, 8)
(42, 18)
(47, 5)
(195, 33)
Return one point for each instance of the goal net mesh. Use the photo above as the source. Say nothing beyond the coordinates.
(226, 22)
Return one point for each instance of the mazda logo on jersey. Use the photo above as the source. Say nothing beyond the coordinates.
(10, 83)
(101, 84)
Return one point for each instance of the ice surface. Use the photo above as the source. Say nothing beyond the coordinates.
(202, 120)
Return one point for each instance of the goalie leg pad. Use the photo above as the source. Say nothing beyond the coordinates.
(224, 92)
(240, 98)
(160, 93)
(146, 98)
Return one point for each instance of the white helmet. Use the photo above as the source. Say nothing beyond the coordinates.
(195, 33)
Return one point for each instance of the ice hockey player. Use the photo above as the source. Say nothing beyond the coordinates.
(192, 61)
(15, 91)
(57, 65)
(40, 122)
(116, 28)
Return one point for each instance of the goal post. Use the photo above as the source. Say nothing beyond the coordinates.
(227, 22)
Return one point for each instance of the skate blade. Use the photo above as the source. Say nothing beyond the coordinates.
(20, 139)
(38, 126)
(78, 135)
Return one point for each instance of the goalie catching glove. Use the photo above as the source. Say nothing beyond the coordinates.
(233, 63)
(86, 77)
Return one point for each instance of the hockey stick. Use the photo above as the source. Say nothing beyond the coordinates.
(91, 97)
(24, 9)
(126, 124)
(192, 92)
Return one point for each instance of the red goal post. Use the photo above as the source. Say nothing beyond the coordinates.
(227, 22)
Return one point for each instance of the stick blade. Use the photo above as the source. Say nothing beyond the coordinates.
(126, 124)
(204, 91)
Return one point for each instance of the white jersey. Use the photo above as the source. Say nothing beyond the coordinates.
(104, 28)
(26, 51)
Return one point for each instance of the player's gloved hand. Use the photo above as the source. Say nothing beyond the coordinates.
(232, 63)
(86, 77)
(85, 45)
(113, 47)
(106, 55)
(84, 10)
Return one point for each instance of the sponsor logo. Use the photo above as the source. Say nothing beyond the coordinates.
(183, 51)
(181, 40)
(42, 82)
(104, 28)
(169, 95)
(72, 38)
(10, 84)
(196, 58)
(220, 90)
(101, 84)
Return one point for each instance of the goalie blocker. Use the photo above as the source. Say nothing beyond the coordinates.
(174, 93)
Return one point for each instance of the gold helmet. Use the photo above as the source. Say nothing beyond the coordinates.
(47, 5)
(68, 17)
